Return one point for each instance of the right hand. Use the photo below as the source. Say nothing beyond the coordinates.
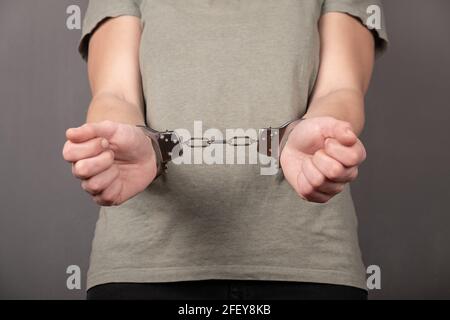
(114, 161)
(321, 156)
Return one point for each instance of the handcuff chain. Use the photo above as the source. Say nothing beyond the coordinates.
(234, 141)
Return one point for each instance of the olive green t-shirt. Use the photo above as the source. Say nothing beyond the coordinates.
(229, 64)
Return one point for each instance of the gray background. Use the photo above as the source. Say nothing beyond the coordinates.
(47, 222)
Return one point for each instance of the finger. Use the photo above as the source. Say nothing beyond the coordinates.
(339, 130)
(318, 181)
(87, 168)
(88, 131)
(110, 196)
(333, 169)
(74, 152)
(100, 182)
(348, 156)
(307, 192)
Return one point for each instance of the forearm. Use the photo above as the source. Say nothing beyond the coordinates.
(107, 106)
(345, 104)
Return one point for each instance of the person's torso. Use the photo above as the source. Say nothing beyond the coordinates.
(228, 63)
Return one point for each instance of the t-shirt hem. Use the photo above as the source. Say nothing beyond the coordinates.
(234, 272)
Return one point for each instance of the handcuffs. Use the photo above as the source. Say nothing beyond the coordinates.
(165, 142)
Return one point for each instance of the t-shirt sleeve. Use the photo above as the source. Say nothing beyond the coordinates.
(100, 10)
(368, 12)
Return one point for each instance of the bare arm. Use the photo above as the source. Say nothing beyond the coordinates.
(323, 152)
(111, 156)
(347, 58)
(114, 74)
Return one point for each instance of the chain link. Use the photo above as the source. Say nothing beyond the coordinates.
(234, 142)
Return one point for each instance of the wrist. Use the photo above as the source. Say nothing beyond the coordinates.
(107, 106)
(284, 136)
(159, 155)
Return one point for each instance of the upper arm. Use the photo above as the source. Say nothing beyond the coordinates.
(110, 43)
(113, 59)
(347, 55)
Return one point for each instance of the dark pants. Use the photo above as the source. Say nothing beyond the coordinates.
(225, 290)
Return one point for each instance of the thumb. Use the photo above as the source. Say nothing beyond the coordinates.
(345, 135)
(88, 131)
(340, 130)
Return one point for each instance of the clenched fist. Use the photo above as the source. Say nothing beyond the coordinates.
(321, 155)
(114, 161)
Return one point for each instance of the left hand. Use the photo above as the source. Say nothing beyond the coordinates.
(320, 157)
(114, 161)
